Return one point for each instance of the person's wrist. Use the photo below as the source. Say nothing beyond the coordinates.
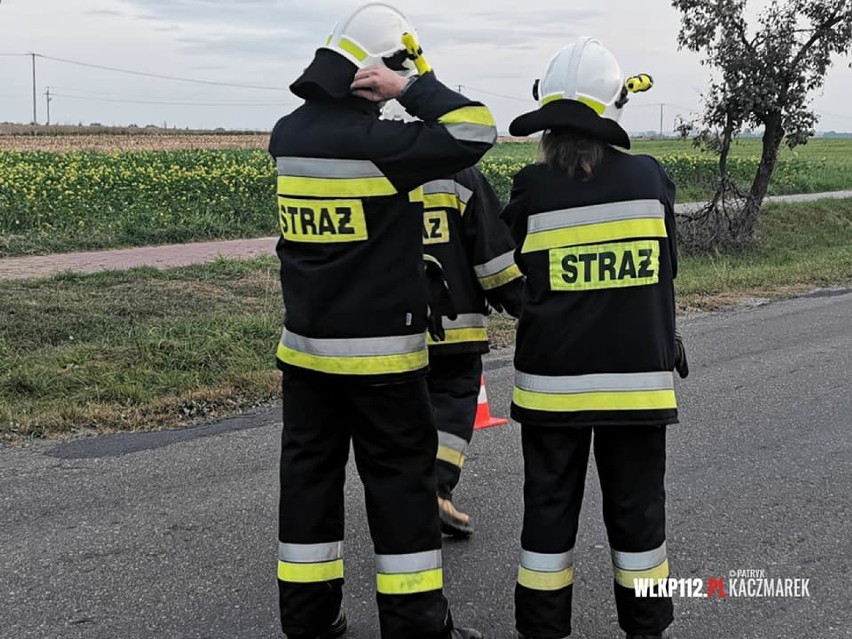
(407, 85)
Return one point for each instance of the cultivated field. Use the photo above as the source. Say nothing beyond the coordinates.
(87, 190)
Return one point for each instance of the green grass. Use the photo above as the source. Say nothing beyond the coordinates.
(137, 349)
(61, 202)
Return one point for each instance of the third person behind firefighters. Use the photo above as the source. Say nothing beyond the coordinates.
(463, 231)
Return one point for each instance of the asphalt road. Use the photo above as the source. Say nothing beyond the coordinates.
(173, 534)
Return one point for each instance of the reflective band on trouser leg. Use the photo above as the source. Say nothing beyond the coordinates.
(497, 272)
(310, 563)
(595, 224)
(451, 449)
(603, 391)
(355, 356)
(651, 564)
(467, 327)
(546, 571)
(410, 573)
(321, 177)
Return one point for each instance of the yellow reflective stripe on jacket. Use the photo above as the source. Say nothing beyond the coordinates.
(468, 115)
(607, 391)
(310, 573)
(594, 234)
(443, 201)
(446, 194)
(467, 327)
(595, 224)
(625, 577)
(410, 573)
(451, 448)
(331, 187)
(622, 400)
(471, 124)
(328, 177)
(500, 279)
(460, 336)
(355, 356)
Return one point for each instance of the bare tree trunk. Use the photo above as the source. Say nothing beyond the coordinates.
(772, 136)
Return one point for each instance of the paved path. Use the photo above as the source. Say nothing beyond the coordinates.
(174, 255)
(172, 534)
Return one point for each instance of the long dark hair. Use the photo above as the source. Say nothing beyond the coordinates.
(571, 153)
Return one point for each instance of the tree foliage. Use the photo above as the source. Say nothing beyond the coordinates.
(764, 78)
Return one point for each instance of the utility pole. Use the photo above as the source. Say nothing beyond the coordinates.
(48, 100)
(661, 120)
(35, 111)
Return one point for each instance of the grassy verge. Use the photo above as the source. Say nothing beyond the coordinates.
(137, 349)
(147, 349)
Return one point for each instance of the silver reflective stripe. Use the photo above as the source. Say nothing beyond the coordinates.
(466, 320)
(497, 265)
(600, 382)
(327, 168)
(310, 553)
(473, 132)
(439, 186)
(546, 562)
(450, 187)
(354, 347)
(596, 214)
(452, 441)
(639, 560)
(411, 562)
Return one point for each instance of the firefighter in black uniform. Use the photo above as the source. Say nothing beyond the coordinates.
(353, 349)
(596, 344)
(463, 231)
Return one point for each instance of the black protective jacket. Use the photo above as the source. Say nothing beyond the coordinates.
(350, 208)
(463, 231)
(595, 342)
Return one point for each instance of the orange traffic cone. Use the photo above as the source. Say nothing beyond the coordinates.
(483, 413)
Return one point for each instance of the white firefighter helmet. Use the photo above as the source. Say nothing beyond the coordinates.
(372, 35)
(585, 71)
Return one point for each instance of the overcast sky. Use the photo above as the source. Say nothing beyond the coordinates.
(498, 46)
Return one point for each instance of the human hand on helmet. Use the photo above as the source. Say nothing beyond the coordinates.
(378, 84)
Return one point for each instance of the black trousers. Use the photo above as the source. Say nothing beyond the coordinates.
(454, 382)
(394, 440)
(631, 465)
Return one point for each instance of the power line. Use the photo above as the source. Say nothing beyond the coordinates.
(159, 76)
(496, 95)
(201, 104)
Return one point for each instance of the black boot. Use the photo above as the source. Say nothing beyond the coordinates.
(335, 630)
